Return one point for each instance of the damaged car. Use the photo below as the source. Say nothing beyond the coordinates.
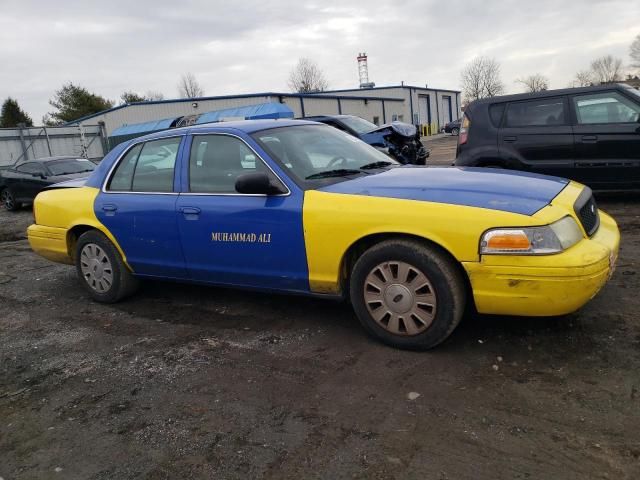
(399, 140)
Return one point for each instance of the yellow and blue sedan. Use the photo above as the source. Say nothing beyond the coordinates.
(299, 207)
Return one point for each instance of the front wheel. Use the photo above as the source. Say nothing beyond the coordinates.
(101, 269)
(455, 132)
(407, 294)
(8, 200)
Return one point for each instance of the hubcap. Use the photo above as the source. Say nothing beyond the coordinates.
(96, 268)
(400, 298)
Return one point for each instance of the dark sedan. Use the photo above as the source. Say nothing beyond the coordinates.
(21, 183)
(453, 127)
(399, 140)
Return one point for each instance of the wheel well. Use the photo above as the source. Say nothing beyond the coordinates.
(362, 245)
(72, 238)
(492, 162)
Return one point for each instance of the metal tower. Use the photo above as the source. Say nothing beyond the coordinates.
(363, 71)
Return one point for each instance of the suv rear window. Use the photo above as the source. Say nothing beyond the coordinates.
(546, 111)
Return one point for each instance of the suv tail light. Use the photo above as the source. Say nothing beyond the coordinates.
(464, 130)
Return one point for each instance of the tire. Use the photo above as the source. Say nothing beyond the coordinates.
(417, 275)
(101, 269)
(455, 131)
(8, 199)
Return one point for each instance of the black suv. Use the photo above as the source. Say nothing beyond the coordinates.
(589, 134)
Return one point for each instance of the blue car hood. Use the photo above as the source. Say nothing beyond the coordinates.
(508, 191)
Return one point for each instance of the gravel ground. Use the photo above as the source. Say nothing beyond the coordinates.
(184, 382)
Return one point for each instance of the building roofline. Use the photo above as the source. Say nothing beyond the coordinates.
(227, 97)
(388, 87)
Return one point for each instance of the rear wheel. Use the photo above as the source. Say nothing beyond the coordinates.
(455, 131)
(8, 200)
(407, 294)
(101, 269)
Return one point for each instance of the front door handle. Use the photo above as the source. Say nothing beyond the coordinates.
(589, 139)
(510, 138)
(190, 213)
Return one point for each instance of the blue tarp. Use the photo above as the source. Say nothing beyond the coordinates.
(144, 127)
(250, 112)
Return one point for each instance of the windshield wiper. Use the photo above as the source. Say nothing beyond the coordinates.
(372, 165)
(339, 172)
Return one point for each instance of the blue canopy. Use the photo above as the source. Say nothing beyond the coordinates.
(147, 127)
(250, 112)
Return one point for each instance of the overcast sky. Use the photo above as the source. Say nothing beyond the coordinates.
(250, 46)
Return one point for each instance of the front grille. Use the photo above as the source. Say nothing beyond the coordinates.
(587, 211)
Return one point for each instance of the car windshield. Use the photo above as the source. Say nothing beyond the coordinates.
(70, 166)
(312, 152)
(357, 124)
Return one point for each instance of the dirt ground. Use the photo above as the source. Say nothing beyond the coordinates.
(184, 382)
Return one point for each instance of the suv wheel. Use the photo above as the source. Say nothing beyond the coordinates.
(407, 294)
(101, 269)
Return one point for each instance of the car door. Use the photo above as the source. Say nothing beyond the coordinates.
(607, 139)
(138, 204)
(536, 135)
(29, 180)
(238, 239)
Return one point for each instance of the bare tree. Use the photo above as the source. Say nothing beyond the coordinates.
(189, 86)
(607, 69)
(153, 95)
(634, 52)
(583, 78)
(307, 77)
(481, 79)
(535, 83)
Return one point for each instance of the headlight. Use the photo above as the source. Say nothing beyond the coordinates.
(546, 240)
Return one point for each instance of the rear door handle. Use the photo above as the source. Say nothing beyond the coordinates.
(109, 209)
(589, 139)
(510, 138)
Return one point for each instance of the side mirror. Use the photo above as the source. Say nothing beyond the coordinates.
(257, 184)
(39, 175)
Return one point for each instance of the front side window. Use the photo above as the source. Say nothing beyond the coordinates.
(314, 152)
(147, 167)
(544, 112)
(609, 107)
(216, 162)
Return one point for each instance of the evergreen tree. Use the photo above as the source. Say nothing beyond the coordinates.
(72, 102)
(11, 115)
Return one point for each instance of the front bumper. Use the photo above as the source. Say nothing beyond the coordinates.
(546, 285)
(49, 242)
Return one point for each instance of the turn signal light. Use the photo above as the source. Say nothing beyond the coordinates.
(508, 240)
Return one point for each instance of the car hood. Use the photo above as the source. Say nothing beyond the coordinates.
(400, 128)
(517, 192)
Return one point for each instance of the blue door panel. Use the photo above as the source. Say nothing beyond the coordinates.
(146, 229)
(243, 240)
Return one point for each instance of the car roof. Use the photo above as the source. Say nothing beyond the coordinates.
(47, 159)
(326, 117)
(551, 93)
(245, 126)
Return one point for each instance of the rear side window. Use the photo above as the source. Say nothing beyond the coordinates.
(609, 107)
(147, 167)
(543, 112)
(495, 113)
(31, 167)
